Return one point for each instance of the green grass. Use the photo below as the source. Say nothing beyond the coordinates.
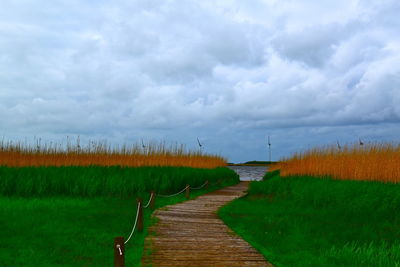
(77, 226)
(96, 181)
(308, 221)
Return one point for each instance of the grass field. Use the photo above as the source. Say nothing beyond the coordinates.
(69, 216)
(307, 221)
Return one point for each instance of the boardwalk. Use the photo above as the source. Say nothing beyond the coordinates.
(191, 234)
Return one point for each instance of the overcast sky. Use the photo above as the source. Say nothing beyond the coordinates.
(228, 72)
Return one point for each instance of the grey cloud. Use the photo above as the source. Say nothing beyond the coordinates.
(181, 69)
(313, 46)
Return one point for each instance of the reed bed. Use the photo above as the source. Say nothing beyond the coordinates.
(372, 162)
(18, 154)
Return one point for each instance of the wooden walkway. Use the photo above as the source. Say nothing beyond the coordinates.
(191, 234)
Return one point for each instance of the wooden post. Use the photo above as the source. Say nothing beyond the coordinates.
(119, 253)
(153, 199)
(187, 192)
(140, 215)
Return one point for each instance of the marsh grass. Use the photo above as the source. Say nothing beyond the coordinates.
(373, 162)
(20, 154)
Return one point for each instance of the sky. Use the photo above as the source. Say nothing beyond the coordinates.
(230, 72)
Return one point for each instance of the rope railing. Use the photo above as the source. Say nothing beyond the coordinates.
(119, 244)
(175, 193)
(200, 187)
(150, 199)
(134, 226)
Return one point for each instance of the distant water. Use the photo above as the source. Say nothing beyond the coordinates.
(250, 173)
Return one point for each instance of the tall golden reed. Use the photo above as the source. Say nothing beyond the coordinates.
(373, 162)
(100, 153)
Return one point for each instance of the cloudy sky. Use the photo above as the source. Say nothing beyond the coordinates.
(229, 72)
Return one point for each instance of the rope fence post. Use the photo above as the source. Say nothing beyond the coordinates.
(153, 200)
(119, 253)
(140, 215)
(187, 191)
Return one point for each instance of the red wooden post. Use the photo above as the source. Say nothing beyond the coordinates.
(187, 192)
(153, 200)
(140, 215)
(119, 253)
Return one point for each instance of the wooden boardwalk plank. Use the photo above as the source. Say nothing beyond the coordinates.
(191, 234)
